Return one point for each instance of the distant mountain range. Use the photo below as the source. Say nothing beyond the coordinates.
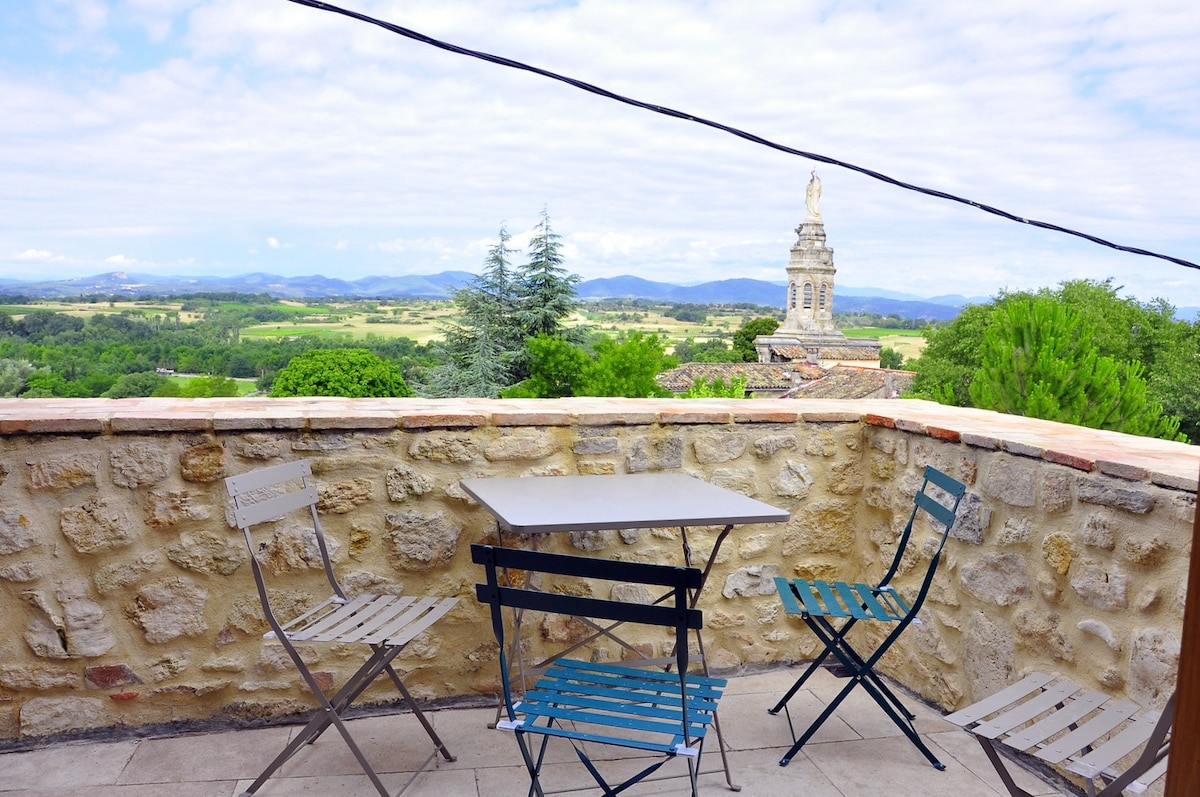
(443, 285)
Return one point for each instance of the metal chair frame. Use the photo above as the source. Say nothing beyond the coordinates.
(622, 705)
(817, 601)
(384, 623)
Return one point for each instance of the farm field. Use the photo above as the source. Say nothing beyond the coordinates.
(424, 320)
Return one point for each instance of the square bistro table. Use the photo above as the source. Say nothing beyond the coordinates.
(547, 504)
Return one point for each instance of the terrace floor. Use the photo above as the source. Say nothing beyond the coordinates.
(858, 752)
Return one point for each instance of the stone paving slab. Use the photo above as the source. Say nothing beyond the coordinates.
(858, 752)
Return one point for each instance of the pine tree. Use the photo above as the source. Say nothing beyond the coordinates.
(547, 289)
(1038, 360)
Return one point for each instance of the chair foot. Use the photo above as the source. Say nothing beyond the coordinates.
(772, 711)
(783, 762)
(939, 766)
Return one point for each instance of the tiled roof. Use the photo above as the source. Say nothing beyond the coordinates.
(848, 352)
(855, 382)
(759, 376)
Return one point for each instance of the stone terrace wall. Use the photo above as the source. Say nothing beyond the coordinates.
(127, 600)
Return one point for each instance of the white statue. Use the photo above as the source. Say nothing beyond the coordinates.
(813, 197)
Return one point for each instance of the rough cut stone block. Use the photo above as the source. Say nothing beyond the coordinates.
(203, 463)
(65, 473)
(402, 481)
(1101, 587)
(43, 716)
(1107, 493)
(719, 448)
(972, 520)
(419, 542)
(998, 578)
(137, 464)
(518, 447)
(1153, 664)
(341, 497)
(169, 609)
(16, 532)
(656, 454)
(793, 480)
(97, 526)
(1012, 483)
(750, 582)
(444, 448)
(596, 445)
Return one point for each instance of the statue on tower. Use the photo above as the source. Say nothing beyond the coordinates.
(813, 197)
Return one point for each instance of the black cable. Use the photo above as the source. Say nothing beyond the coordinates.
(588, 87)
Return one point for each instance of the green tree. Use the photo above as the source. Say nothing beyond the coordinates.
(743, 339)
(353, 373)
(555, 369)
(890, 358)
(209, 387)
(146, 383)
(717, 388)
(1039, 360)
(547, 290)
(951, 357)
(626, 366)
(13, 374)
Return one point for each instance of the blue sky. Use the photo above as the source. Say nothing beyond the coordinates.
(237, 136)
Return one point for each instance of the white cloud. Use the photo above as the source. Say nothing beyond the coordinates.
(278, 123)
(119, 260)
(34, 254)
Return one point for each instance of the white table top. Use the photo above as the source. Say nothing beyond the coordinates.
(535, 504)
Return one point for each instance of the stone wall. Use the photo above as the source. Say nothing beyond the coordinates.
(128, 602)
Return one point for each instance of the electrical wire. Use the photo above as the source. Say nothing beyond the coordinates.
(659, 109)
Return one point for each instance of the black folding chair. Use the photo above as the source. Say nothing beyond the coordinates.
(384, 624)
(1086, 732)
(832, 609)
(585, 702)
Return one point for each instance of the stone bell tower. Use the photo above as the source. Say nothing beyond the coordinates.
(807, 333)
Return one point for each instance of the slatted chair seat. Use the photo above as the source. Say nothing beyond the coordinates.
(604, 703)
(832, 608)
(1085, 732)
(383, 624)
(619, 704)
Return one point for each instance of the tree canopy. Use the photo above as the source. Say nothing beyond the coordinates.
(353, 373)
(1079, 353)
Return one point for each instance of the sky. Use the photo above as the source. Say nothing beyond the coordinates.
(225, 137)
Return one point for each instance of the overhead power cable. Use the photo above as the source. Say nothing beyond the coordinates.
(588, 87)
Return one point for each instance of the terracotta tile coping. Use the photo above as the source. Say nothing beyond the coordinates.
(1137, 459)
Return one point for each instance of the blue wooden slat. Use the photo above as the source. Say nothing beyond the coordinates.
(812, 604)
(629, 678)
(851, 600)
(878, 610)
(833, 607)
(623, 721)
(790, 604)
(638, 744)
(642, 673)
(581, 692)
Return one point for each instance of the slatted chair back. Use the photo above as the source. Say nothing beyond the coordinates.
(587, 702)
(273, 493)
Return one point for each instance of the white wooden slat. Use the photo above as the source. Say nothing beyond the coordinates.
(353, 626)
(411, 622)
(1078, 707)
(328, 621)
(1002, 699)
(1111, 716)
(267, 477)
(1027, 711)
(1131, 738)
(246, 515)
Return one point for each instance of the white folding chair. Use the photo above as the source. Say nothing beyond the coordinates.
(383, 624)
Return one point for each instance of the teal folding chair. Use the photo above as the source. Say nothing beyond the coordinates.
(622, 705)
(832, 609)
